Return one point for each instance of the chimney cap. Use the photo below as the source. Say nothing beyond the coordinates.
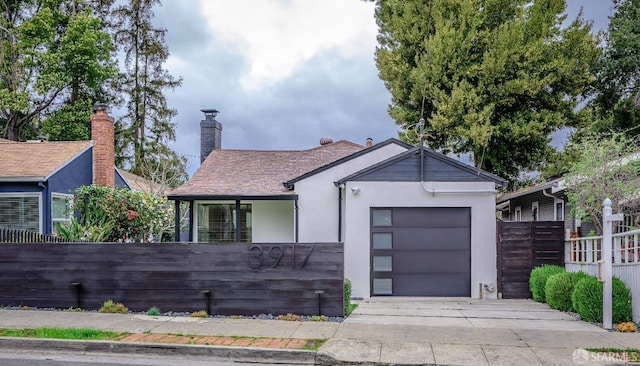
(326, 141)
(209, 111)
(100, 107)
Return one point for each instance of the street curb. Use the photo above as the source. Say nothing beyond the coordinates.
(247, 354)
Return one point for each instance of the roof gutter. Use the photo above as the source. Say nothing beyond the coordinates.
(23, 179)
(544, 192)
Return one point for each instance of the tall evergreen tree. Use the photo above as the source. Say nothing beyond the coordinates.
(147, 126)
(53, 61)
(617, 87)
(492, 78)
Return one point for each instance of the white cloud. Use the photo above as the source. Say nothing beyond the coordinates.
(277, 36)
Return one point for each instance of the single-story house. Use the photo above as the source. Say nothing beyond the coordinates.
(413, 222)
(38, 178)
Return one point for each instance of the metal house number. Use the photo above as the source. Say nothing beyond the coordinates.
(274, 255)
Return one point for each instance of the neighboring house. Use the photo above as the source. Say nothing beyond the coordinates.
(38, 179)
(414, 222)
(542, 202)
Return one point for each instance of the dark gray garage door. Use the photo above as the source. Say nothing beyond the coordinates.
(421, 251)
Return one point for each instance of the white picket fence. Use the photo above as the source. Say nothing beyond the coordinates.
(582, 254)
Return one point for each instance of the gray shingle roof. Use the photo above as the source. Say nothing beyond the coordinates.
(228, 172)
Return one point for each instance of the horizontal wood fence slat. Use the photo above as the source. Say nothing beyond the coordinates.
(225, 279)
(523, 246)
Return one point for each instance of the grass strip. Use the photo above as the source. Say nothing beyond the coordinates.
(63, 333)
(105, 335)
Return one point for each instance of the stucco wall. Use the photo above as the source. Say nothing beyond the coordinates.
(318, 196)
(411, 194)
(275, 223)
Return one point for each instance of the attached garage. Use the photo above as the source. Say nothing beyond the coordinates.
(421, 251)
(420, 224)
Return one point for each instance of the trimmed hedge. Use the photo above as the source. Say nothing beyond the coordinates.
(538, 280)
(559, 288)
(587, 300)
(347, 296)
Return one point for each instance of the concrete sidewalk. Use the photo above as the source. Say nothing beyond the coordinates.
(389, 331)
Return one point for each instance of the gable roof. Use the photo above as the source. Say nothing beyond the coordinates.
(555, 183)
(289, 184)
(393, 169)
(37, 161)
(258, 173)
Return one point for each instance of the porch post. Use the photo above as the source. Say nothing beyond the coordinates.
(191, 223)
(177, 221)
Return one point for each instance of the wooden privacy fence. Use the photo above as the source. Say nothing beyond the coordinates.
(523, 246)
(226, 279)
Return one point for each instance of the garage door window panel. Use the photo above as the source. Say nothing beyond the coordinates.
(382, 286)
(382, 240)
(382, 217)
(383, 263)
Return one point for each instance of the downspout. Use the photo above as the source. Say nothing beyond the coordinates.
(340, 213)
(296, 218)
(544, 192)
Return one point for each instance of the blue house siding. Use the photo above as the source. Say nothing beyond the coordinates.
(76, 173)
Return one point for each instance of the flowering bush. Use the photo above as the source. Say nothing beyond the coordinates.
(135, 216)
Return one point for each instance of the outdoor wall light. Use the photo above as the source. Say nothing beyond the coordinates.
(355, 190)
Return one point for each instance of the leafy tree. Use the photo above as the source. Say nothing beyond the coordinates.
(493, 78)
(617, 85)
(147, 126)
(606, 167)
(50, 58)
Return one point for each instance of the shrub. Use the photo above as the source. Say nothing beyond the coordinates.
(199, 314)
(538, 280)
(153, 311)
(290, 317)
(110, 307)
(559, 288)
(587, 300)
(347, 296)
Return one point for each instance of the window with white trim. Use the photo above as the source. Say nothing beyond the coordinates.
(535, 211)
(20, 211)
(61, 211)
(558, 214)
(517, 213)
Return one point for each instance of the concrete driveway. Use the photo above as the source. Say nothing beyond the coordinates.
(466, 313)
(463, 331)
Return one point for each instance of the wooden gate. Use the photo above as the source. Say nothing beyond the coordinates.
(523, 246)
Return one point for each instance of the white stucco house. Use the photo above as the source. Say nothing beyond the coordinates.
(413, 222)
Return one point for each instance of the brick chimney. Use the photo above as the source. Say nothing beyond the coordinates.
(102, 134)
(210, 133)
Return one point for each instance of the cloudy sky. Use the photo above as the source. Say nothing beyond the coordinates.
(283, 73)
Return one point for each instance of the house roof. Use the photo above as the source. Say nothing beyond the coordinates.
(258, 173)
(37, 161)
(136, 182)
(410, 154)
(290, 183)
(528, 190)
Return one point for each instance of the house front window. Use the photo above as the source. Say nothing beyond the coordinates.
(218, 223)
(20, 211)
(535, 208)
(61, 211)
(517, 213)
